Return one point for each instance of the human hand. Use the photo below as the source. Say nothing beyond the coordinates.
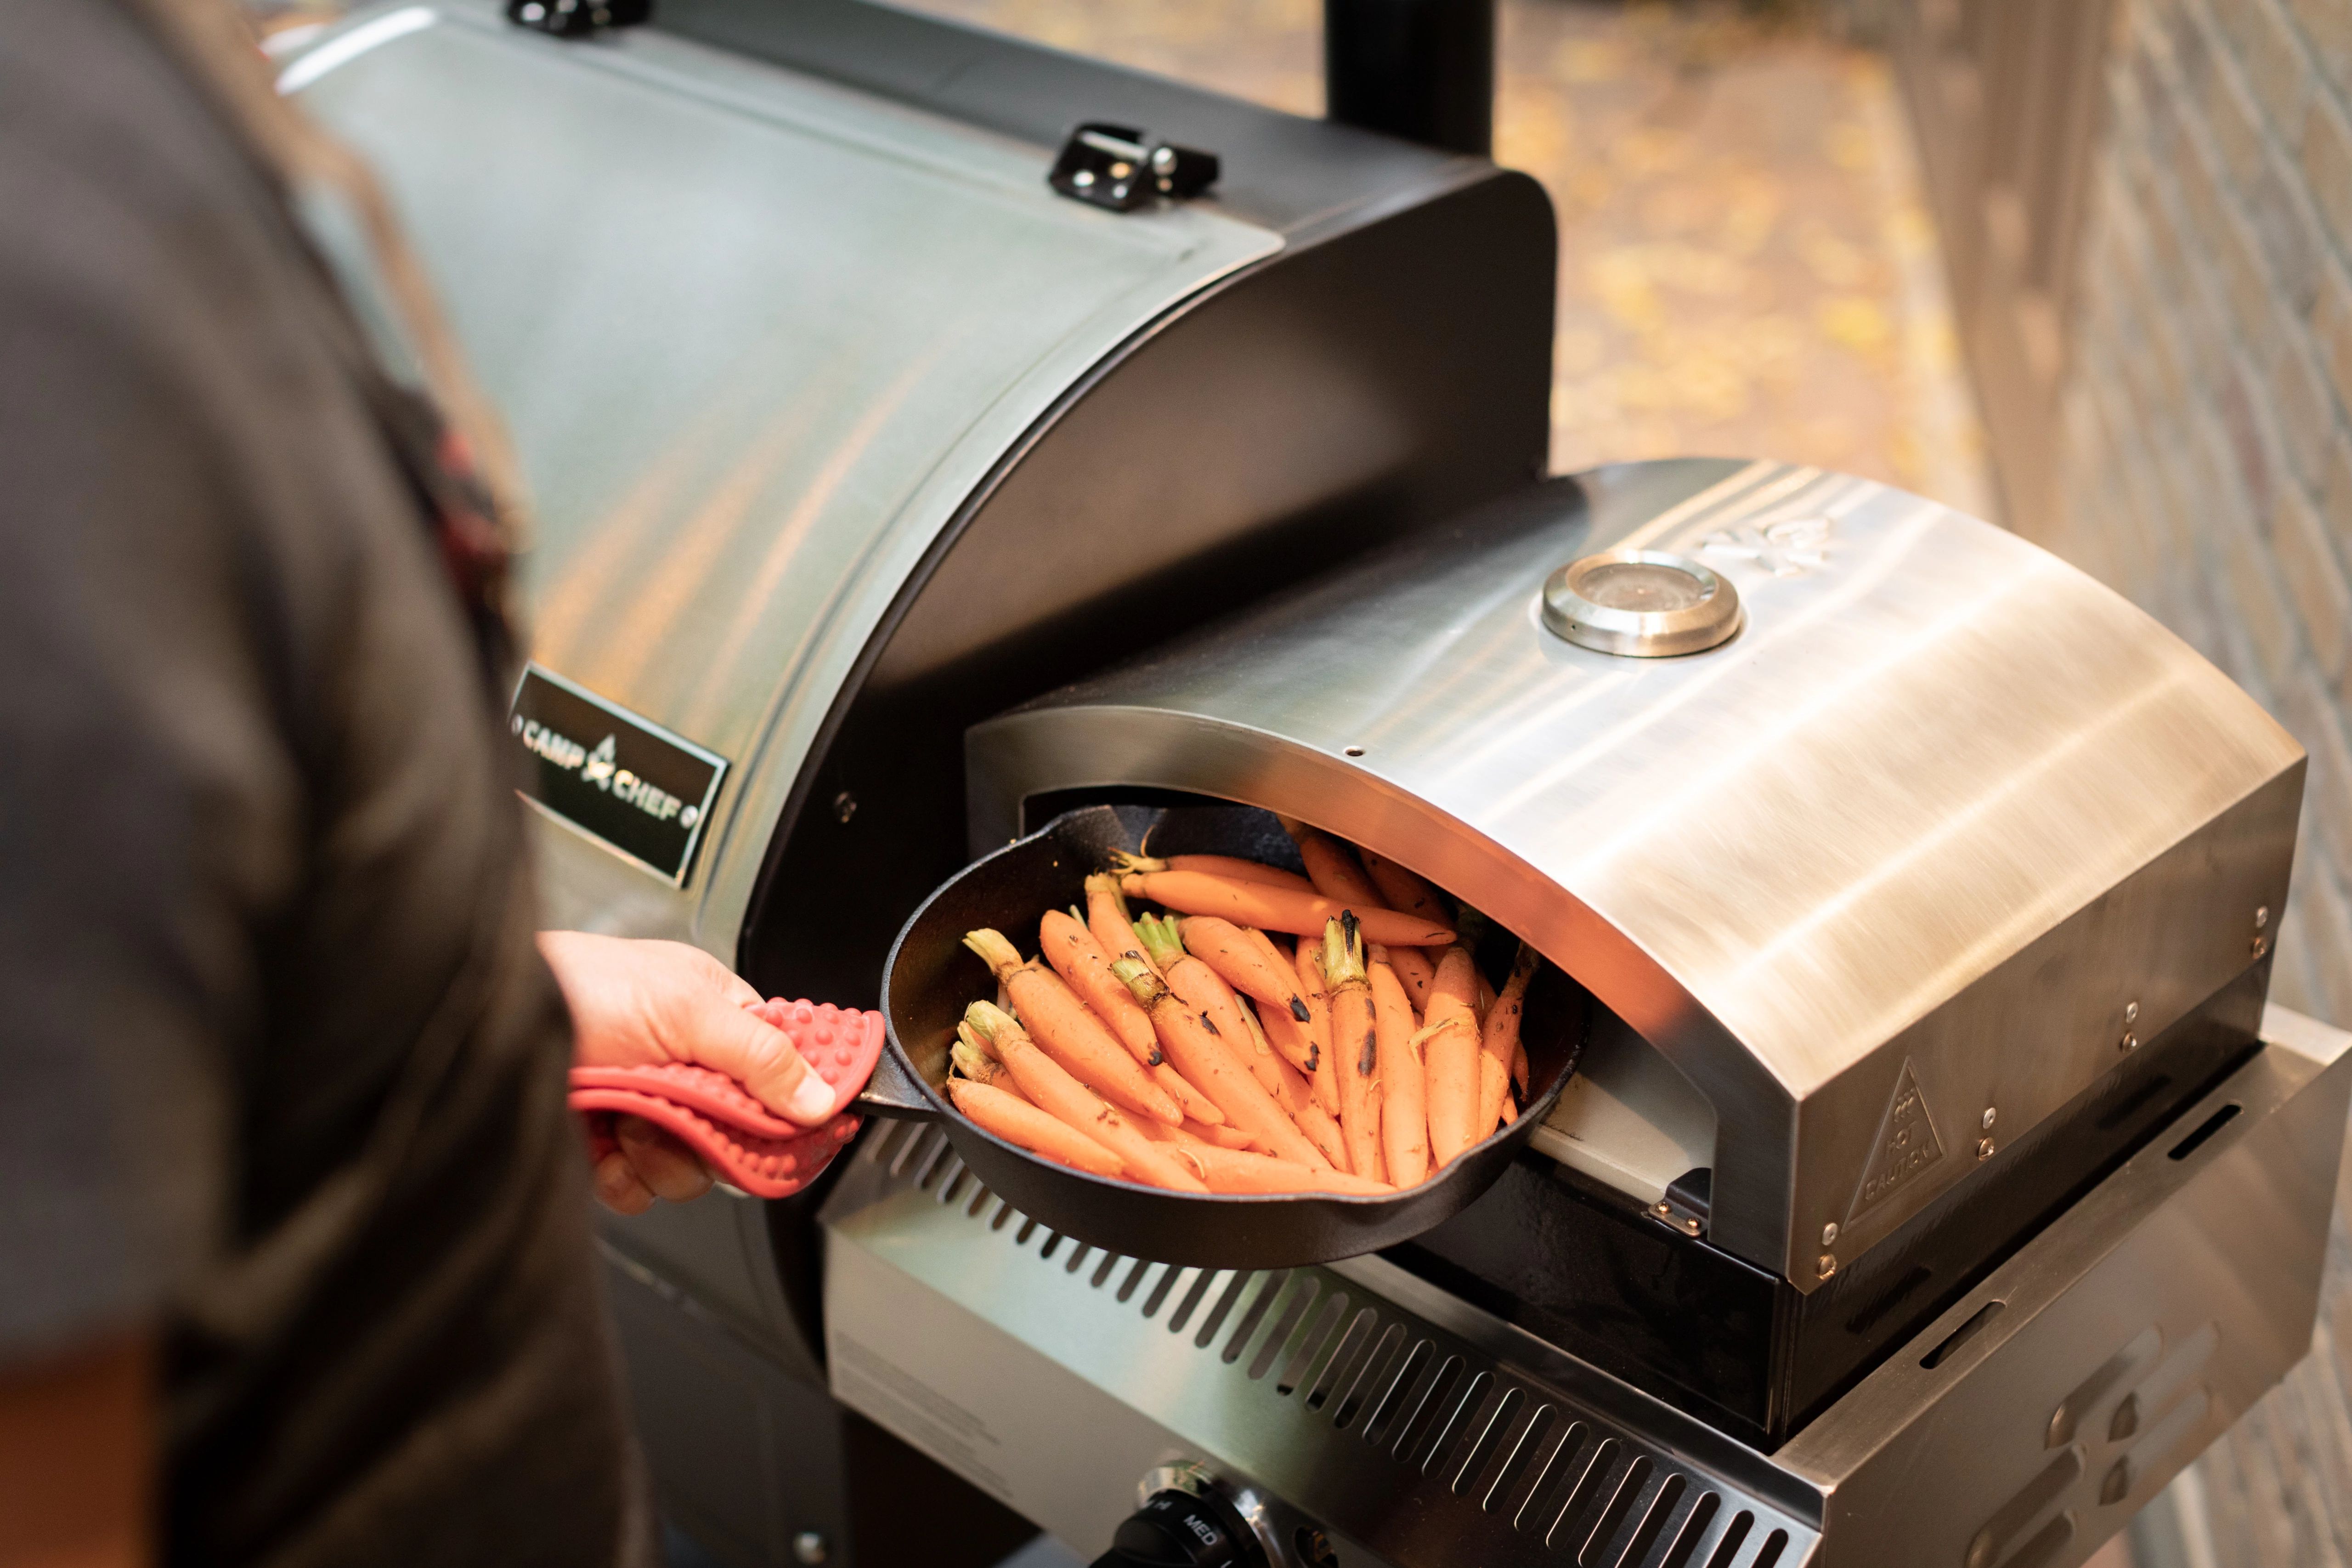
(638, 1003)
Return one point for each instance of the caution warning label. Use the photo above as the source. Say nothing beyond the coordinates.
(1906, 1145)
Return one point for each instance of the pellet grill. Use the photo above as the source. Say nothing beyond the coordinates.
(1935, 1182)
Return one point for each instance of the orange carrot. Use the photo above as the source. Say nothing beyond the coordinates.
(1494, 1088)
(1519, 1066)
(1018, 1122)
(1289, 1039)
(1230, 1171)
(1321, 1071)
(1229, 866)
(1450, 1057)
(1109, 918)
(1196, 1132)
(1331, 866)
(1055, 1018)
(1066, 943)
(1403, 890)
(1510, 1111)
(1324, 1135)
(1499, 1037)
(1056, 1092)
(1205, 992)
(1355, 1043)
(1199, 1055)
(1404, 1106)
(1245, 965)
(1292, 1091)
(971, 1057)
(1277, 908)
(1417, 973)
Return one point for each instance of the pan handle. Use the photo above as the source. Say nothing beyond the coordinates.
(894, 1092)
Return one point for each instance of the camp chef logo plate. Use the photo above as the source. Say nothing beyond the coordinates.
(628, 782)
(1906, 1145)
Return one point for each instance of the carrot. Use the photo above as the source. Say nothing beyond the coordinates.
(1321, 1070)
(1451, 1058)
(1231, 1170)
(1109, 918)
(1331, 866)
(1416, 973)
(1055, 1091)
(971, 1058)
(1199, 1057)
(1355, 1044)
(1494, 1088)
(1064, 1030)
(1323, 1133)
(1290, 1041)
(1519, 1066)
(1194, 1135)
(1510, 1111)
(1079, 958)
(1229, 866)
(1277, 908)
(1018, 1122)
(1205, 992)
(1403, 890)
(1404, 1107)
(1242, 964)
(1291, 1090)
(1499, 1037)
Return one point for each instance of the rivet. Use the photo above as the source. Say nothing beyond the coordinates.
(845, 805)
(2262, 917)
(1828, 1264)
(1690, 1225)
(2262, 945)
(1988, 1116)
(1829, 1233)
(808, 1547)
(2130, 1042)
(1663, 1211)
(1984, 1148)
(2131, 1012)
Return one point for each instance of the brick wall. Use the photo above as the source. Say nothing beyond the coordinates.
(2206, 473)
(2208, 465)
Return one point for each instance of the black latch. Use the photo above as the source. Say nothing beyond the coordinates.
(1685, 1206)
(1121, 168)
(577, 18)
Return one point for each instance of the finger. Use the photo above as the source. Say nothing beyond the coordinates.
(666, 1166)
(618, 1186)
(756, 1054)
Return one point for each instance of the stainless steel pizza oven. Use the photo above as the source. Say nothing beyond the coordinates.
(1935, 1182)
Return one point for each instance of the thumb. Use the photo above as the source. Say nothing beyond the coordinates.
(738, 1042)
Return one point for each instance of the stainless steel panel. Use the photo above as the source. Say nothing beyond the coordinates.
(2125, 1339)
(1901, 854)
(1420, 1430)
(757, 336)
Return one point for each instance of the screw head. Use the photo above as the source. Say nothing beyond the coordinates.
(1984, 1148)
(2130, 1042)
(1690, 1225)
(1663, 1210)
(2262, 917)
(1829, 1233)
(1988, 1116)
(1828, 1264)
(845, 805)
(808, 1547)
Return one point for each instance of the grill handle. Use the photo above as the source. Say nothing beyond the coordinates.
(894, 1093)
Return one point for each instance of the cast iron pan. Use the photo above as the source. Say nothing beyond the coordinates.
(931, 977)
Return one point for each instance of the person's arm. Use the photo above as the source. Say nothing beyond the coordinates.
(637, 1003)
(78, 1458)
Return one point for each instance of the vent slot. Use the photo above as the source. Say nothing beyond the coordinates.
(1052, 1239)
(1462, 1417)
(1103, 1270)
(1318, 1335)
(1367, 1383)
(1376, 1431)
(1654, 1522)
(1192, 1299)
(1159, 1296)
(1352, 1345)
(1728, 1549)
(1255, 1315)
(1569, 1526)
(1693, 1531)
(1778, 1542)
(1531, 1444)
(1560, 1468)
(1979, 1320)
(2205, 1130)
(1221, 1310)
(952, 1184)
(1489, 1440)
(1285, 1326)
(1430, 1410)
(1596, 1552)
(1127, 1287)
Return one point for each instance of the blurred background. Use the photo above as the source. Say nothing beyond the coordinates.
(2083, 266)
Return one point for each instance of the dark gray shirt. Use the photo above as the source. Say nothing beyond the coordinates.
(281, 1074)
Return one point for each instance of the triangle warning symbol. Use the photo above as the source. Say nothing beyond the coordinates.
(1906, 1145)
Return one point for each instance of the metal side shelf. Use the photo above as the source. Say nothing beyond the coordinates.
(1057, 1376)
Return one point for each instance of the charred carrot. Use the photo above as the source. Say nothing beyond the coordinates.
(1229, 866)
(1198, 1054)
(1079, 959)
(1018, 1122)
(1230, 1171)
(1277, 908)
(1499, 1037)
(1242, 964)
(1355, 1043)
(1450, 1057)
(1110, 920)
(1404, 891)
(1205, 992)
(1055, 1018)
(1322, 1072)
(1404, 1107)
(1416, 973)
(1289, 1039)
(1291, 1090)
(1055, 1091)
